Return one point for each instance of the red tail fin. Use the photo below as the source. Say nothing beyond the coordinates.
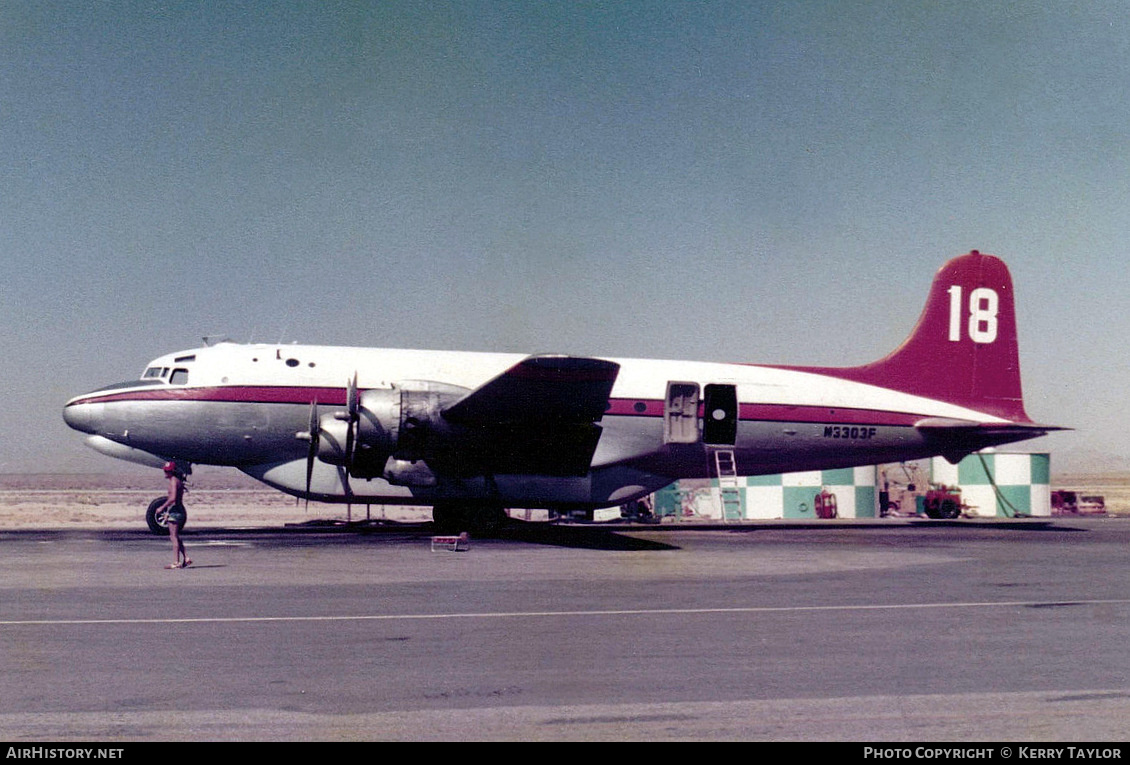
(963, 349)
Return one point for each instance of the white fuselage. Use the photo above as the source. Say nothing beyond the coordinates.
(242, 405)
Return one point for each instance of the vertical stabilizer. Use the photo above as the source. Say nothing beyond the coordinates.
(964, 348)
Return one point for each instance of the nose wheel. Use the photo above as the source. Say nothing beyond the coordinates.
(159, 521)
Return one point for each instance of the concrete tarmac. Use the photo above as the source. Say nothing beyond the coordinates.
(881, 631)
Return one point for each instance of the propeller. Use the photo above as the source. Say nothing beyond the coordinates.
(353, 411)
(351, 417)
(312, 436)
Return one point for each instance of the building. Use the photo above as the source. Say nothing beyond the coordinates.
(991, 484)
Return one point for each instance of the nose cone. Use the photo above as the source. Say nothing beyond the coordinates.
(83, 417)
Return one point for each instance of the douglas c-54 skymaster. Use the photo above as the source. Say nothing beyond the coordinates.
(473, 433)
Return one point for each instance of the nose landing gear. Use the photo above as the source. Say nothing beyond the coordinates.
(159, 521)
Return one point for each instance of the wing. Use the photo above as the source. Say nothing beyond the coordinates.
(540, 416)
(540, 389)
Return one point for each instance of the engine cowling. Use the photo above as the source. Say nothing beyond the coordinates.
(396, 430)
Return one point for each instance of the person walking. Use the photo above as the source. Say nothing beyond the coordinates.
(176, 517)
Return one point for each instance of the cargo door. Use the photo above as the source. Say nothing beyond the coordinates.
(720, 415)
(680, 413)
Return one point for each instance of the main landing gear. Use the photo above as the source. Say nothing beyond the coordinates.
(159, 521)
(480, 520)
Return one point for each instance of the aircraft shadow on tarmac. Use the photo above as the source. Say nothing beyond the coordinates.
(558, 535)
(320, 533)
(620, 537)
(584, 537)
(908, 525)
(613, 537)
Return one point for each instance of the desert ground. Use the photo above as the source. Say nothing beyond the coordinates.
(1114, 487)
(215, 497)
(219, 497)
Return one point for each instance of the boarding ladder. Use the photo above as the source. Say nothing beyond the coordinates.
(729, 490)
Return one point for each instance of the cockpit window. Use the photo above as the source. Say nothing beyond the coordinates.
(155, 372)
(180, 377)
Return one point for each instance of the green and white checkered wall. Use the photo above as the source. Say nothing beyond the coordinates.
(793, 495)
(789, 495)
(1024, 481)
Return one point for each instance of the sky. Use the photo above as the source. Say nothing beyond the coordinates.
(769, 182)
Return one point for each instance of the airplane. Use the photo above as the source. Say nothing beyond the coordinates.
(471, 434)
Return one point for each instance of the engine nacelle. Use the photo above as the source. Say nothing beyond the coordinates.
(332, 437)
(396, 427)
(423, 432)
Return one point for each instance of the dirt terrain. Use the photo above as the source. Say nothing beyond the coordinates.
(220, 497)
(1114, 487)
(215, 498)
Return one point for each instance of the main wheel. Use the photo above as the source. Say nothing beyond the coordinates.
(159, 522)
(487, 521)
(949, 509)
(482, 521)
(447, 519)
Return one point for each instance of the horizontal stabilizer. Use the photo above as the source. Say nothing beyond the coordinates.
(953, 425)
(540, 390)
(956, 439)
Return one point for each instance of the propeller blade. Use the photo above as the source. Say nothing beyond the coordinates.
(312, 452)
(350, 440)
(352, 400)
(353, 406)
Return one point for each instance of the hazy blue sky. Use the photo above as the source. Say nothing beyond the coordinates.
(743, 181)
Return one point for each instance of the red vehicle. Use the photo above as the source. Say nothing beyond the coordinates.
(943, 502)
(1065, 502)
(908, 491)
